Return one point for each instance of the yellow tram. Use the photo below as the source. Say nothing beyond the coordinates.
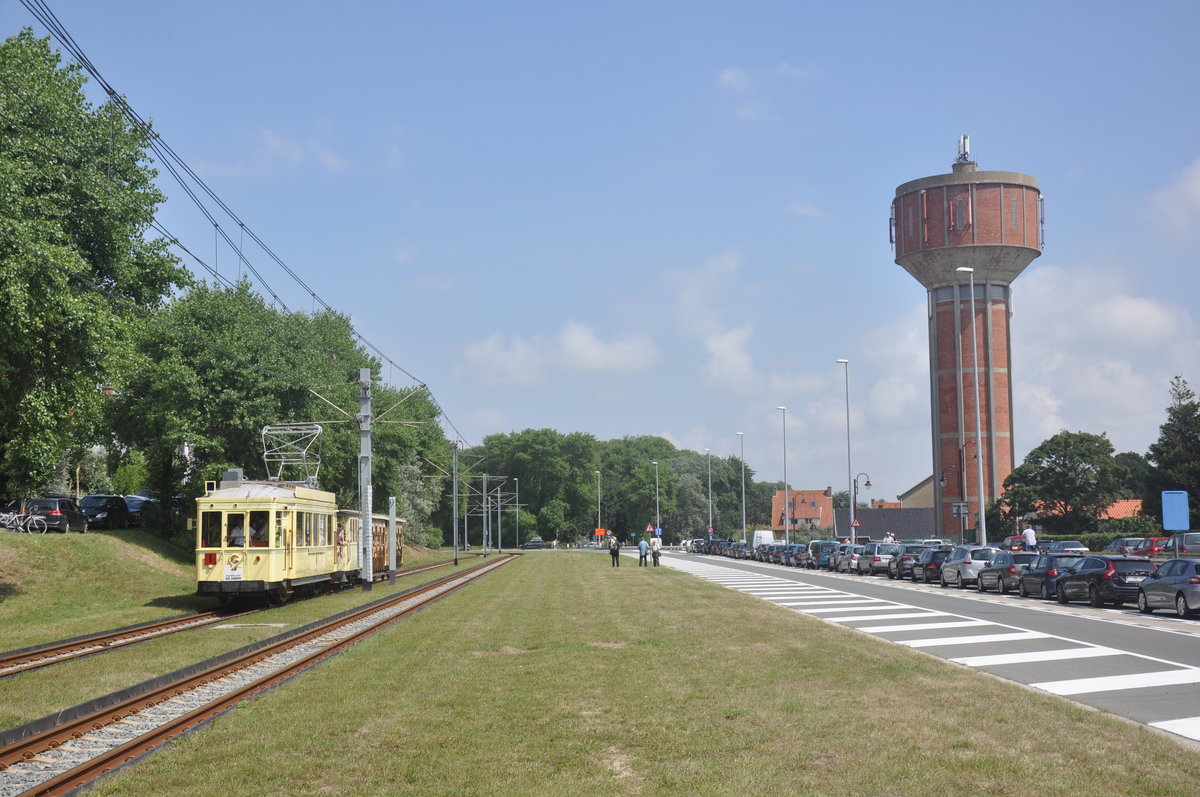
(258, 539)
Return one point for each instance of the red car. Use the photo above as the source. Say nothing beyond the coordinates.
(1151, 546)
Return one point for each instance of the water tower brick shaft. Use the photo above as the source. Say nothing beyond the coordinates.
(990, 222)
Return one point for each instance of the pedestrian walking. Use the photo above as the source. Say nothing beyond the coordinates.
(614, 548)
(1030, 537)
(656, 549)
(643, 549)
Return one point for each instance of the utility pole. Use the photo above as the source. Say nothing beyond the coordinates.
(454, 479)
(392, 540)
(364, 476)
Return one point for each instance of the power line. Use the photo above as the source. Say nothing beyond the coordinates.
(177, 166)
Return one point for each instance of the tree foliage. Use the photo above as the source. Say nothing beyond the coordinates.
(1175, 455)
(76, 268)
(1068, 480)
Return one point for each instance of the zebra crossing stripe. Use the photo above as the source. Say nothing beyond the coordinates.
(1114, 683)
(1036, 656)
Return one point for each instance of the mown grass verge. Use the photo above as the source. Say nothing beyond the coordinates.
(59, 586)
(559, 675)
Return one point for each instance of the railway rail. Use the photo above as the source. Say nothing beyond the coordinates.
(32, 658)
(62, 752)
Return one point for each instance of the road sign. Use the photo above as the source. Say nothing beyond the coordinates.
(1175, 510)
(962, 509)
(856, 523)
(710, 529)
(649, 528)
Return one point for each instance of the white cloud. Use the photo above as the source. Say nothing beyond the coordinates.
(500, 359)
(1178, 204)
(799, 73)
(1090, 355)
(733, 78)
(582, 350)
(729, 365)
(296, 152)
(804, 209)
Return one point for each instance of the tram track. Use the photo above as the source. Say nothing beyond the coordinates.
(60, 753)
(44, 655)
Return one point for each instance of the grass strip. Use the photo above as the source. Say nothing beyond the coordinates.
(560, 675)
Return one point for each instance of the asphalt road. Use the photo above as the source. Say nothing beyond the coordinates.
(1143, 667)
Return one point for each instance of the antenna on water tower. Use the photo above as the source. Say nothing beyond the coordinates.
(964, 149)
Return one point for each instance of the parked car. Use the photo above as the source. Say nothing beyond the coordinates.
(1004, 571)
(61, 514)
(1104, 579)
(1150, 546)
(105, 511)
(964, 563)
(900, 565)
(1185, 542)
(533, 543)
(792, 555)
(1040, 577)
(1066, 546)
(1015, 542)
(1176, 584)
(740, 551)
(136, 504)
(818, 553)
(928, 565)
(1122, 545)
(875, 557)
(849, 560)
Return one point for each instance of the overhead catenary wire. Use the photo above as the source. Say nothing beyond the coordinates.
(177, 167)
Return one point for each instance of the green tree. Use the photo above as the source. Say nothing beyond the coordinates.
(1068, 480)
(1135, 474)
(76, 266)
(1175, 455)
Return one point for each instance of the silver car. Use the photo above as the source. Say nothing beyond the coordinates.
(1175, 585)
(964, 563)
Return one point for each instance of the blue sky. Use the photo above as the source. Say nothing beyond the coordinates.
(669, 218)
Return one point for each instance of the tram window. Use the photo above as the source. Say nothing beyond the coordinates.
(236, 523)
(210, 530)
(306, 534)
(260, 529)
(325, 538)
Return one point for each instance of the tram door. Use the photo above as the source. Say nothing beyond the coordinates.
(287, 529)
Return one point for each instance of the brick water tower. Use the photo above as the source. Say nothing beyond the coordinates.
(954, 232)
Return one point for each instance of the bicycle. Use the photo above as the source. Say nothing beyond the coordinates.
(28, 523)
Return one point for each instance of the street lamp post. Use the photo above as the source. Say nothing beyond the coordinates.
(708, 459)
(517, 506)
(854, 499)
(787, 517)
(942, 481)
(742, 442)
(657, 514)
(598, 526)
(978, 427)
(849, 480)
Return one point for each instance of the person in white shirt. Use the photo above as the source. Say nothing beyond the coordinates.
(655, 548)
(1030, 538)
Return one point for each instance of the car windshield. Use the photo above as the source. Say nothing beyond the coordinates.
(93, 502)
(983, 554)
(888, 550)
(1071, 544)
(42, 503)
(1065, 561)
(1023, 558)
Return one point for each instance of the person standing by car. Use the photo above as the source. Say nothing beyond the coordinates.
(643, 549)
(655, 549)
(614, 548)
(1030, 538)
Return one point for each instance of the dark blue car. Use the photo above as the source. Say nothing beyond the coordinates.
(1043, 572)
